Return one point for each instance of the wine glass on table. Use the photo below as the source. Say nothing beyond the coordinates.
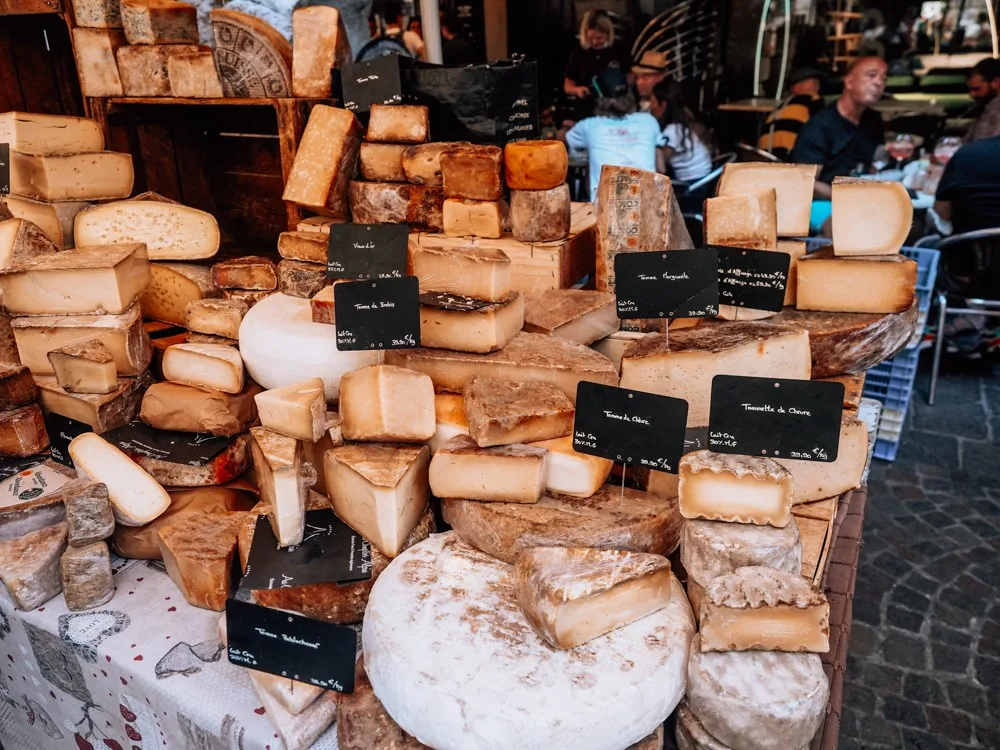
(901, 148)
(945, 148)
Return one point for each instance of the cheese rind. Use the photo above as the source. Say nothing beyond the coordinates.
(535, 165)
(382, 162)
(467, 325)
(193, 75)
(332, 437)
(870, 217)
(136, 497)
(213, 366)
(449, 413)
(399, 123)
(89, 516)
(94, 50)
(101, 411)
(579, 315)
(864, 284)
(572, 595)
(215, 317)
(793, 184)
(795, 249)
(397, 203)
(422, 163)
(297, 410)
(284, 479)
(223, 467)
(253, 58)
(713, 548)
(727, 487)
(86, 576)
(466, 218)
(479, 273)
(540, 215)
(86, 366)
(16, 386)
(22, 432)
(744, 220)
(143, 67)
(29, 566)
(817, 480)
(20, 240)
(506, 474)
(319, 43)
(159, 22)
(473, 172)
(610, 519)
(503, 412)
(169, 230)
(691, 735)
(50, 134)
(104, 14)
(309, 247)
(246, 272)
(387, 403)
(299, 279)
(198, 553)
(296, 730)
(572, 473)
(172, 406)
(248, 297)
(55, 219)
(364, 724)
(71, 177)
(172, 287)
(325, 162)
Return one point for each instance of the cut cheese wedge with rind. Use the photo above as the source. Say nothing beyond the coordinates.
(743, 220)
(572, 473)
(727, 487)
(714, 548)
(870, 217)
(793, 184)
(101, 175)
(50, 134)
(818, 480)
(507, 473)
(171, 231)
(212, 366)
(863, 284)
(297, 410)
(172, 287)
(284, 479)
(387, 403)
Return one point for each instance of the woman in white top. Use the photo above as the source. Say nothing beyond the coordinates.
(682, 144)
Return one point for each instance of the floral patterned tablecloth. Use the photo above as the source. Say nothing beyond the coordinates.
(143, 672)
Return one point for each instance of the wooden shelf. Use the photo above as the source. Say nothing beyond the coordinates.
(228, 101)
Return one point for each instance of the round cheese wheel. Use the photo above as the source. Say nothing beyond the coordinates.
(281, 345)
(535, 165)
(455, 663)
(691, 735)
(714, 548)
(765, 700)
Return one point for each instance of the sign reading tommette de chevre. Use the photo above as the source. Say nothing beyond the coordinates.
(367, 251)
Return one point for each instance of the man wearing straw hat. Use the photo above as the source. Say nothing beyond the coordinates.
(649, 71)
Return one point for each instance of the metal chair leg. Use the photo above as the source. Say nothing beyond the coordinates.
(938, 344)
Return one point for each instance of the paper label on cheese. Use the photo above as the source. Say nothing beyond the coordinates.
(30, 484)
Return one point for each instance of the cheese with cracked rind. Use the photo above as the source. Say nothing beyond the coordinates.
(299, 279)
(22, 432)
(421, 207)
(86, 576)
(29, 566)
(793, 184)
(422, 162)
(159, 22)
(506, 473)
(245, 272)
(727, 487)
(89, 516)
(325, 162)
(472, 171)
(502, 412)
(169, 230)
(94, 50)
(319, 43)
(387, 403)
(861, 284)
(198, 553)
(20, 240)
(870, 217)
(714, 548)
(398, 123)
(579, 315)
(540, 215)
(97, 13)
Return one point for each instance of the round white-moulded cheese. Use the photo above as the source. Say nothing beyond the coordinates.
(714, 548)
(456, 664)
(281, 345)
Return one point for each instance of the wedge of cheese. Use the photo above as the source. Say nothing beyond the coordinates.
(171, 231)
(193, 75)
(17, 388)
(473, 172)
(86, 576)
(22, 432)
(100, 175)
(29, 566)
(382, 162)
(571, 473)
(198, 553)
(332, 437)
(172, 406)
(299, 279)
(463, 324)
(540, 215)
(325, 162)
(579, 315)
(422, 163)
(400, 123)
(174, 286)
(320, 43)
(20, 240)
(102, 412)
(215, 317)
(727, 487)
(159, 22)
(870, 217)
(213, 366)
(387, 403)
(246, 272)
(466, 218)
(136, 497)
(144, 67)
(86, 366)
(380, 490)
(479, 273)
(817, 480)
(710, 549)
(793, 184)
(744, 220)
(866, 284)
(94, 50)
(449, 413)
(795, 249)
(297, 410)
(506, 474)
(504, 412)
(614, 345)
(418, 206)
(55, 219)
(284, 479)
(50, 134)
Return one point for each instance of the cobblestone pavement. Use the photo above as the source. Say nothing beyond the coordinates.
(924, 663)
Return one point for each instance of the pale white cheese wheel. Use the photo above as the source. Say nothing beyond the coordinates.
(714, 548)
(281, 345)
(455, 663)
(757, 700)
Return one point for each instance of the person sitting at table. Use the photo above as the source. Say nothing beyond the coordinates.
(843, 136)
(683, 148)
(618, 133)
(968, 194)
(597, 52)
(786, 121)
(984, 88)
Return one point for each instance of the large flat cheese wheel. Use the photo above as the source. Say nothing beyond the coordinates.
(455, 663)
(281, 345)
(714, 548)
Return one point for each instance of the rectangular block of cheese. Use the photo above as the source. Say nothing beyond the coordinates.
(298, 410)
(529, 357)
(382, 402)
(480, 273)
(16, 386)
(96, 65)
(212, 366)
(506, 473)
(247, 272)
(793, 184)
(284, 480)
(86, 576)
(742, 489)
(198, 553)
(473, 172)
(422, 163)
(86, 366)
(55, 219)
(684, 366)
(870, 217)
(502, 412)
(398, 123)
(193, 75)
(101, 175)
(325, 162)
(102, 412)
(317, 223)
(571, 595)
(143, 67)
(756, 608)
(449, 415)
(20, 240)
(382, 162)
(159, 22)
(744, 220)
(463, 324)
(172, 287)
(579, 315)
(89, 516)
(22, 432)
(816, 480)
(123, 335)
(465, 218)
(397, 203)
(103, 14)
(380, 490)
(136, 497)
(297, 278)
(87, 280)
(571, 473)
(310, 247)
(869, 284)
(320, 43)
(29, 566)
(169, 230)
(322, 306)
(50, 134)
(171, 406)
(216, 317)
(540, 215)
(248, 297)
(796, 249)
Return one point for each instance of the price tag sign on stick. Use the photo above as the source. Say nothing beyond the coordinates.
(4, 169)
(371, 82)
(674, 284)
(377, 314)
(776, 418)
(631, 427)
(367, 251)
(753, 278)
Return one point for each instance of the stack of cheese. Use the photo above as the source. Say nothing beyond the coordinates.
(246, 280)
(22, 426)
(539, 196)
(754, 677)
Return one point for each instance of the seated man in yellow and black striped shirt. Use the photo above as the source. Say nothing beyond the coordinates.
(783, 125)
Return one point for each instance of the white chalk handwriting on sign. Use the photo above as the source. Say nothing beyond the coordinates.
(752, 279)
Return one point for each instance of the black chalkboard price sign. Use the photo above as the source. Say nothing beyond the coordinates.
(61, 431)
(775, 418)
(753, 278)
(4, 169)
(367, 251)
(675, 284)
(631, 427)
(371, 82)
(377, 314)
(192, 448)
(291, 646)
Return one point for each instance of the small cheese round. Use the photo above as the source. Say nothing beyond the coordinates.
(714, 548)
(691, 735)
(766, 700)
(535, 165)
(281, 345)
(455, 663)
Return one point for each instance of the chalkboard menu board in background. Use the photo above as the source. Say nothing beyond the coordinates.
(377, 314)
(290, 645)
(4, 169)
(775, 418)
(631, 427)
(753, 278)
(674, 284)
(367, 251)
(377, 81)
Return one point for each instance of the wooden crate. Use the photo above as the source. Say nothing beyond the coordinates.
(537, 266)
(37, 69)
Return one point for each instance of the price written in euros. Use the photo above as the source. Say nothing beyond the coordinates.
(407, 340)
(660, 464)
